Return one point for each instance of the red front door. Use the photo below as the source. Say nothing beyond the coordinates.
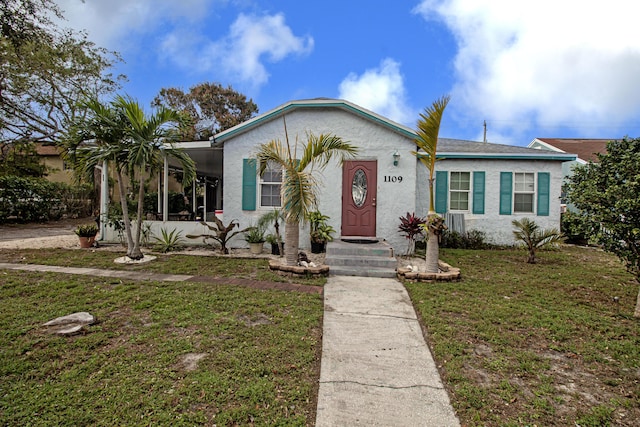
(359, 183)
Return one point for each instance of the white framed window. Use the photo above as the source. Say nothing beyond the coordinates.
(269, 184)
(524, 190)
(459, 188)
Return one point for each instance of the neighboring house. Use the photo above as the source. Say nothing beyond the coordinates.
(57, 171)
(486, 185)
(586, 151)
(479, 186)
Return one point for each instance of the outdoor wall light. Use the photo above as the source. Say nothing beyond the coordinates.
(396, 157)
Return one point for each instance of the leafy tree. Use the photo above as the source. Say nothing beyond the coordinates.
(121, 133)
(529, 234)
(299, 187)
(210, 107)
(606, 194)
(44, 70)
(20, 159)
(427, 143)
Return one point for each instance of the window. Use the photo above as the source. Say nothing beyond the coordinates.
(459, 191)
(524, 192)
(270, 186)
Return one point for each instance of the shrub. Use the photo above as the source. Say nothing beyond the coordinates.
(472, 239)
(573, 226)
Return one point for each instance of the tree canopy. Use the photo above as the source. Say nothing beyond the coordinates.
(211, 108)
(44, 71)
(607, 194)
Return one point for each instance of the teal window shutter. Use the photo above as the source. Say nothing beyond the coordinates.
(478, 193)
(506, 192)
(442, 187)
(249, 175)
(543, 193)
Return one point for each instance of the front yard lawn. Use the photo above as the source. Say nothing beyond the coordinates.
(548, 344)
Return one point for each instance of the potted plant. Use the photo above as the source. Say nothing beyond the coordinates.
(319, 231)
(255, 237)
(276, 242)
(273, 218)
(86, 234)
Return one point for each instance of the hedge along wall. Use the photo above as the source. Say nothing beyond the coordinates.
(36, 199)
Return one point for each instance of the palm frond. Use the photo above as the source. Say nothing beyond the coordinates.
(428, 131)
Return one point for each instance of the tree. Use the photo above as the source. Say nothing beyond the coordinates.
(44, 70)
(606, 194)
(210, 107)
(427, 143)
(299, 187)
(21, 159)
(135, 144)
(529, 234)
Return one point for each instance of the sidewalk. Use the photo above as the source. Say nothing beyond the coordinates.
(376, 368)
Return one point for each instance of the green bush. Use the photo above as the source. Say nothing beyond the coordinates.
(36, 199)
(472, 239)
(573, 226)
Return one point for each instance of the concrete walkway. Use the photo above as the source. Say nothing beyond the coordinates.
(376, 368)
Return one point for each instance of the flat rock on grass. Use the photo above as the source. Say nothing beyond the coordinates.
(70, 324)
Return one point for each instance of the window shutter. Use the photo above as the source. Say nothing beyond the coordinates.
(506, 192)
(249, 175)
(543, 193)
(441, 191)
(478, 193)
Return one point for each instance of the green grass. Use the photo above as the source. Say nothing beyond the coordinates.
(216, 266)
(543, 344)
(261, 365)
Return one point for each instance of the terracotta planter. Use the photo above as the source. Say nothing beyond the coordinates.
(86, 242)
(256, 248)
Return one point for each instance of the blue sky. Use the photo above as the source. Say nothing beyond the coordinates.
(555, 69)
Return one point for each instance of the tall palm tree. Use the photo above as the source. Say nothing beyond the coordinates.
(135, 144)
(299, 186)
(427, 143)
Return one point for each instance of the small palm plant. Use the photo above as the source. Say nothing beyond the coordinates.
(533, 238)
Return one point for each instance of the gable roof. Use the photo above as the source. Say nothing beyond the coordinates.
(585, 149)
(447, 148)
(313, 103)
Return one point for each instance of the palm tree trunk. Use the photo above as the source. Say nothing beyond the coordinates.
(125, 213)
(433, 248)
(291, 240)
(636, 313)
(136, 252)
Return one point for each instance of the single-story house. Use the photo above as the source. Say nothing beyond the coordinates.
(481, 186)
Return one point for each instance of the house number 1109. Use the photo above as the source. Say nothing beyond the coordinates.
(393, 178)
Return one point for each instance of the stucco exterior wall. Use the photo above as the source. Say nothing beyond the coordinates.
(498, 228)
(395, 197)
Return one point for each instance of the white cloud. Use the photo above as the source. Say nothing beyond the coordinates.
(381, 90)
(111, 23)
(251, 40)
(547, 63)
(241, 54)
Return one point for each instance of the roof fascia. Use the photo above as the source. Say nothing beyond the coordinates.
(293, 105)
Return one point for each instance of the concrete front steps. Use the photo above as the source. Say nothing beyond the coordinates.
(360, 259)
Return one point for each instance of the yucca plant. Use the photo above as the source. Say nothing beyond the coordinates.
(532, 237)
(168, 241)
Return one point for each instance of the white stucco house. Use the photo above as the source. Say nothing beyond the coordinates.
(480, 186)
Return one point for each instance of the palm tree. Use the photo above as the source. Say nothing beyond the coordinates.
(528, 232)
(299, 187)
(427, 143)
(121, 133)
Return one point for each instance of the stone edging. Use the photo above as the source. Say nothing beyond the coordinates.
(321, 270)
(446, 274)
